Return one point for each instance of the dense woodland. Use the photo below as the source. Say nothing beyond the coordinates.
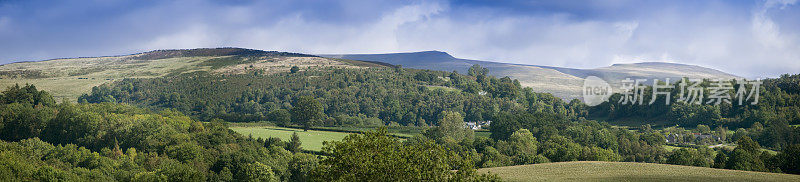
(396, 96)
(527, 127)
(771, 122)
(174, 128)
(49, 141)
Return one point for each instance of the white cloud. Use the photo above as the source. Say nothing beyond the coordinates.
(734, 37)
(191, 37)
(296, 33)
(706, 38)
(782, 3)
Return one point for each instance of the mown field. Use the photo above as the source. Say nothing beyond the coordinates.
(311, 139)
(627, 171)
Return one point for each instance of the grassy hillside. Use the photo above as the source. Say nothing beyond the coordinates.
(561, 82)
(69, 78)
(627, 171)
(539, 79)
(647, 70)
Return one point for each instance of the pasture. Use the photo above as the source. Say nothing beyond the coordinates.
(311, 139)
(627, 171)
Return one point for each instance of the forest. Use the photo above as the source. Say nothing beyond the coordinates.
(526, 127)
(771, 121)
(174, 128)
(48, 141)
(395, 96)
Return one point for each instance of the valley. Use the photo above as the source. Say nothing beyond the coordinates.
(232, 109)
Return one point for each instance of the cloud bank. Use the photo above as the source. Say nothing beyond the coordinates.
(747, 38)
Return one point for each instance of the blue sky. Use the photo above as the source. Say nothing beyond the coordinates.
(748, 38)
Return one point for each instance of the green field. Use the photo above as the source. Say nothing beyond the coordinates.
(670, 148)
(397, 131)
(311, 139)
(446, 89)
(627, 171)
(483, 133)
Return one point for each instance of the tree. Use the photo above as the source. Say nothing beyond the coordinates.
(27, 95)
(256, 172)
(493, 158)
(703, 129)
(720, 160)
(560, 149)
(721, 132)
(522, 146)
(301, 166)
(90, 139)
(741, 159)
(654, 139)
(280, 116)
(687, 157)
(738, 134)
(374, 155)
(307, 111)
(451, 126)
(789, 159)
(746, 156)
(295, 143)
(476, 70)
(274, 141)
(598, 154)
(748, 145)
(503, 126)
(294, 69)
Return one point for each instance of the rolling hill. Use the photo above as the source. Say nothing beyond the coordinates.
(627, 171)
(71, 77)
(561, 82)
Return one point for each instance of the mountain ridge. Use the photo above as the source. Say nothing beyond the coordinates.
(68, 78)
(561, 81)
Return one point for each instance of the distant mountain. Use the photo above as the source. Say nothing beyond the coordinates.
(562, 82)
(70, 77)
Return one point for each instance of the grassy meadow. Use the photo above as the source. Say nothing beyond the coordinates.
(627, 171)
(311, 139)
(70, 78)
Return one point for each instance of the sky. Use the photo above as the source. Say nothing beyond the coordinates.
(753, 39)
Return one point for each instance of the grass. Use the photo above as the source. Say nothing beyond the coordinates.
(670, 148)
(627, 171)
(60, 88)
(443, 88)
(733, 146)
(311, 139)
(483, 133)
(70, 78)
(399, 131)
